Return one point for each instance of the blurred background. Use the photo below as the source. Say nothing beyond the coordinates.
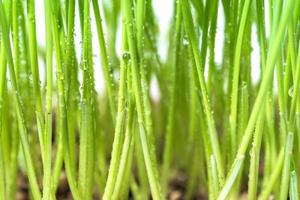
(163, 10)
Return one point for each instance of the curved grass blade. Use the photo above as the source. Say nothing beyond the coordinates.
(62, 113)
(149, 158)
(107, 69)
(117, 144)
(189, 29)
(276, 38)
(19, 109)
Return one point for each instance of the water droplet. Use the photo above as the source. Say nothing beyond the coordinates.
(126, 56)
(30, 77)
(185, 41)
(284, 64)
(291, 91)
(244, 85)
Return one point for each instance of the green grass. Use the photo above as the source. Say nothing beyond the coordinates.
(213, 128)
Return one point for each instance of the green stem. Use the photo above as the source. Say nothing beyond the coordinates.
(236, 72)
(62, 113)
(117, 144)
(35, 72)
(48, 115)
(107, 69)
(276, 37)
(167, 154)
(87, 123)
(145, 141)
(2, 88)
(189, 29)
(20, 115)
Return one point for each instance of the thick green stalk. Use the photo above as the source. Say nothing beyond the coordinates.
(62, 113)
(236, 73)
(141, 19)
(70, 64)
(205, 28)
(276, 37)
(20, 115)
(291, 129)
(254, 160)
(295, 93)
(284, 187)
(48, 108)
(70, 67)
(230, 9)
(35, 70)
(211, 46)
(145, 141)
(5, 137)
(140, 16)
(293, 193)
(142, 173)
(2, 88)
(11, 163)
(3, 194)
(270, 105)
(111, 14)
(189, 29)
(256, 145)
(107, 69)
(4, 171)
(15, 34)
(126, 184)
(117, 144)
(192, 139)
(123, 172)
(87, 123)
(204, 133)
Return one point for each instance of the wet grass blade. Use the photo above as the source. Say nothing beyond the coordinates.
(19, 109)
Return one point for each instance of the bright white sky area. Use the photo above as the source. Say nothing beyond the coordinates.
(164, 11)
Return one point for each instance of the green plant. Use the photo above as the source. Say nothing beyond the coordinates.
(213, 128)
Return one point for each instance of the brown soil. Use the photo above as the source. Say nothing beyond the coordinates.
(177, 189)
